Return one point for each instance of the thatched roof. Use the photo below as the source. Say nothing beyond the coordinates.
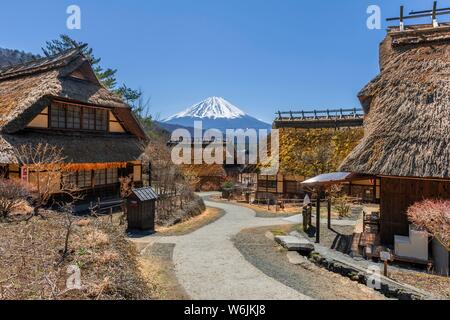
(27, 88)
(407, 106)
(81, 148)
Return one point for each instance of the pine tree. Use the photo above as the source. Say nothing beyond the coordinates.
(106, 76)
(134, 98)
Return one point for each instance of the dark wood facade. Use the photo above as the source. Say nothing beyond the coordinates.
(398, 194)
(286, 186)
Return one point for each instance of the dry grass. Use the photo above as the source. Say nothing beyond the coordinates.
(208, 216)
(434, 284)
(160, 277)
(31, 264)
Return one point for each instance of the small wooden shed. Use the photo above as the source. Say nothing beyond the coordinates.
(141, 205)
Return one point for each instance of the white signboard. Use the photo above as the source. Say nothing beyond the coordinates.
(385, 256)
(306, 201)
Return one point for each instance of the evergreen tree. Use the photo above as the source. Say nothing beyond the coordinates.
(134, 98)
(140, 106)
(106, 76)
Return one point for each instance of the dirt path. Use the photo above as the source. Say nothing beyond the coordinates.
(209, 266)
(223, 261)
(309, 279)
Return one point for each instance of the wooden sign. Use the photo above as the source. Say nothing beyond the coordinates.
(385, 256)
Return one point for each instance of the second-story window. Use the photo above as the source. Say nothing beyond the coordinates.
(89, 119)
(65, 116)
(73, 117)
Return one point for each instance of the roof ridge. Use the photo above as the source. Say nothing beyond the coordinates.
(41, 64)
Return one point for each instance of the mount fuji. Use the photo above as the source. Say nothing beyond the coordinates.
(214, 113)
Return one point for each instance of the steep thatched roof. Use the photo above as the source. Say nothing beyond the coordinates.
(77, 148)
(27, 88)
(407, 106)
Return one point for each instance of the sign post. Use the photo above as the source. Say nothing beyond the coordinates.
(385, 256)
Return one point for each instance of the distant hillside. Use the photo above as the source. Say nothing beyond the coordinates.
(168, 128)
(10, 57)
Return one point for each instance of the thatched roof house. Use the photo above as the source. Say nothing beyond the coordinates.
(407, 123)
(408, 108)
(59, 101)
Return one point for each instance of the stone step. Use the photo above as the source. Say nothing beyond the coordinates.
(292, 243)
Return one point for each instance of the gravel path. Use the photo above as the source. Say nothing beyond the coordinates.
(209, 266)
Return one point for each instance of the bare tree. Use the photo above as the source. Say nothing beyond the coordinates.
(126, 187)
(67, 208)
(174, 185)
(12, 192)
(49, 173)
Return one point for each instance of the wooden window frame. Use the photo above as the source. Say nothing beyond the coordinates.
(83, 108)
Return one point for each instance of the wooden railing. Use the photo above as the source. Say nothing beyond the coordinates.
(320, 114)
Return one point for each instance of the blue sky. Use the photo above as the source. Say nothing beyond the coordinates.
(261, 55)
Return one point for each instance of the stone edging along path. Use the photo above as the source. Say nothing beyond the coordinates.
(209, 266)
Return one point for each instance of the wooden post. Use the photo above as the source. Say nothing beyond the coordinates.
(402, 23)
(374, 190)
(305, 219)
(435, 24)
(318, 218)
(329, 213)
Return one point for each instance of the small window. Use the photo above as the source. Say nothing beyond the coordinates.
(73, 117)
(89, 119)
(112, 176)
(99, 177)
(70, 180)
(58, 116)
(84, 179)
(101, 119)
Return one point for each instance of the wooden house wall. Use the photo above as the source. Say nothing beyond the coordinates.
(397, 195)
(286, 185)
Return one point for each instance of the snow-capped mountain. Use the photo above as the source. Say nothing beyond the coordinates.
(216, 113)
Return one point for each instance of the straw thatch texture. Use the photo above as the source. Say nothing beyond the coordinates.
(78, 148)
(407, 124)
(28, 88)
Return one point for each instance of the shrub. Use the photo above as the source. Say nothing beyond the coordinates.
(228, 185)
(432, 216)
(194, 208)
(12, 194)
(342, 206)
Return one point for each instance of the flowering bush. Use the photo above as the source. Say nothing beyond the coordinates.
(432, 216)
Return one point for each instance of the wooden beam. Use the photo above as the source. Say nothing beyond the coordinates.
(318, 217)
(329, 213)
(419, 16)
(434, 10)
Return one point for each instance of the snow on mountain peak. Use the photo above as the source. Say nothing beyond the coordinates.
(211, 108)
